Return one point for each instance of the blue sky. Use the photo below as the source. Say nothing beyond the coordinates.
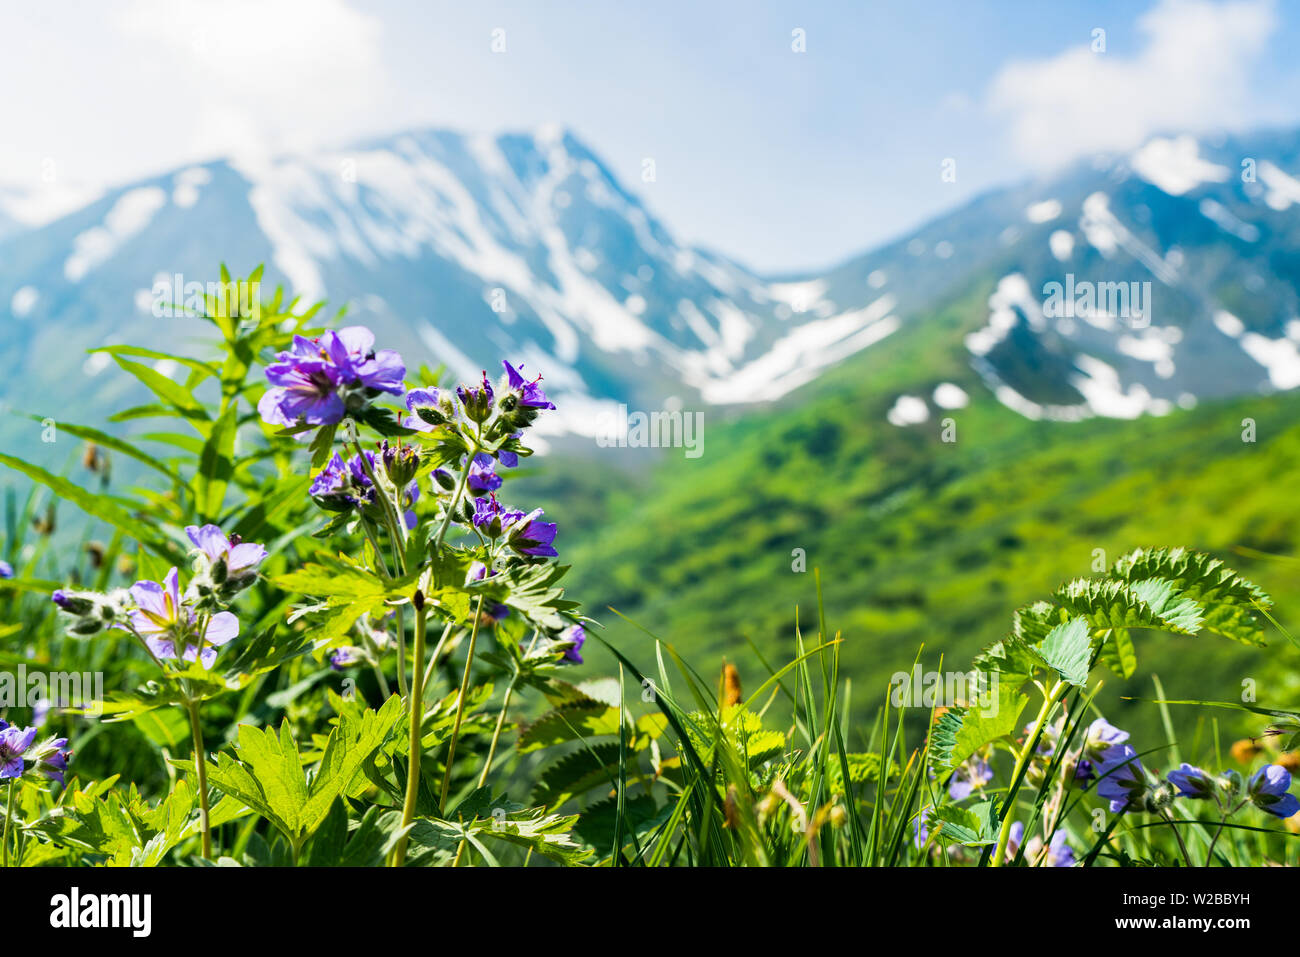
(784, 160)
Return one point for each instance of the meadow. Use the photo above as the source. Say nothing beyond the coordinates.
(337, 621)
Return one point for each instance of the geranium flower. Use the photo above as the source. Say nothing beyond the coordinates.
(6, 570)
(54, 764)
(1267, 790)
(353, 352)
(578, 635)
(317, 381)
(429, 409)
(346, 657)
(1101, 738)
(1192, 782)
(304, 387)
(166, 623)
(492, 517)
(240, 557)
(1123, 780)
(14, 742)
(482, 479)
(971, 775)
(528, 393)
(531, 537)
(476, 400)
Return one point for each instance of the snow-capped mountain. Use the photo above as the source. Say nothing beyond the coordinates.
(1127, 285)
(455, 249)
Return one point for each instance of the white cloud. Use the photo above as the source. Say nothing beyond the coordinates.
(156, 84)
(264, 75)
(1193, 73)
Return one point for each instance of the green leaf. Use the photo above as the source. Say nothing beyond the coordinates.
(1067, 650)
(112, 442)
(1118, 653)
(171, 393)
(975, 826)
(216, 465)
(97, 506)
(962, 731)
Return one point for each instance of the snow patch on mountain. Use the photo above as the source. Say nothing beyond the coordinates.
(132, 212)
(1175, 166)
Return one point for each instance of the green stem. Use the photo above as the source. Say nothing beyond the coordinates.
(1224, 814)
(492, 750)
(437, 652)
(496, 732)
(460, 707)
(9, 816)
(415, 703)
(1050, 700)
(1178, 837)
(455, 499)
(201, 770)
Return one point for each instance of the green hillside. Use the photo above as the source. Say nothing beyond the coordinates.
(922, 541)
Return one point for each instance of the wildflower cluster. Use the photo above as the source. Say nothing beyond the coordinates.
(169, 624)
(20, 754)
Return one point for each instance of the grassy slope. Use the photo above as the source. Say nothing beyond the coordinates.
(921, 541)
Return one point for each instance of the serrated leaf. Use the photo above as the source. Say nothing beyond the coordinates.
(1067, 650)
(975, 826)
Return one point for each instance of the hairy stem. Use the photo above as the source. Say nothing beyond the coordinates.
(455, 499)
(201, 770)
(9, 816)
(460, 706)
(415, 703)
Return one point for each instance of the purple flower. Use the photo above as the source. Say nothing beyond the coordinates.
(316, 382)
(531, 537)
(6, 570)
(1101, 738)
(72, 603)
(14, 742)
(353, 353)
(165, 622)
(345, 657)
(1192, 782)
(482, 479)
(971, 775)
(578, 635)
(304, 387)
(476, 400)
(54, 764)
(341, 486)
(1014, 839)
(921, 827)
(240, 557)
(1059, 853)
(1267, 790)
(528, 393)
(1123, 781)
(492, 517)
(429, 409)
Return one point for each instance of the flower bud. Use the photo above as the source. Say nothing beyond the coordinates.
(87, 627)
(1229, 784)
(73, 604)
(476, 400)
(401, 462)
(1159, 797)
